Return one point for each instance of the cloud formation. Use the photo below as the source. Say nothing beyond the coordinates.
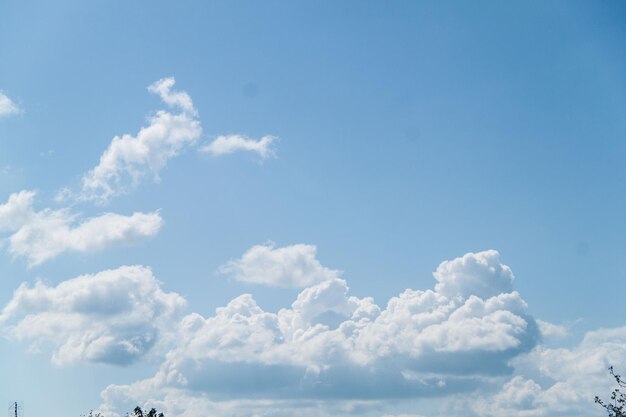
(128, 159)
(558, 381)
(227, 144)
(42, 235)
(290, 266)
(479, 274)
(115, 316)
(330, 346)
(7, 106)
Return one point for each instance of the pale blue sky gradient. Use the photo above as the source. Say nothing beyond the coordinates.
(408, 133)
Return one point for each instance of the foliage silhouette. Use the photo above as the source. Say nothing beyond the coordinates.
(616, 406)
(137, 412)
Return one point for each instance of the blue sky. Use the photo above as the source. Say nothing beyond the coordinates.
(160, 161)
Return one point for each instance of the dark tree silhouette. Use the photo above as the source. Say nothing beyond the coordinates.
(138, 412)
(616, 406)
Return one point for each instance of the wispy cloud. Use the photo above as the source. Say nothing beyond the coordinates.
(7, 106)
(228, 144)
(42, 235)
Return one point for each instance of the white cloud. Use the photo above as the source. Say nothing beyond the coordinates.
(479, 274)
(557, 381)
(227, 144)
(7, 106)
(42, 235)
(289, 266)
(179, 99)
(330, 346)
(551, 331)
(17, 211)
(115, 316)
(130, 158)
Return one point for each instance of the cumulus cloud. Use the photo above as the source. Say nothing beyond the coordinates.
(558, 381)
(290, 266)
(129, 158)
(42, 235)
(227, 144)
(115, 316)
(7, 106)
(331, 346)
(479, 274)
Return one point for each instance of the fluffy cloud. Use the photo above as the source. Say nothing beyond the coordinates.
(289, 266)
(228, 144)
(178, 99)
(330, 346)
(17, 211)
(558, 381)
(7, 106)
(479, 274)
(42, 235)
(115, 316)
(128, 159)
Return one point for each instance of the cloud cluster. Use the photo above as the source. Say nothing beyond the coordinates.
(115, 316)
(42, 235)
(330, 346)
(558, 381)
(227, 144)
(291, 266)
(7, 106)
(128, 159)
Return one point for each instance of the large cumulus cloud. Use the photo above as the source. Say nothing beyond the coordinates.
(330, 346)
